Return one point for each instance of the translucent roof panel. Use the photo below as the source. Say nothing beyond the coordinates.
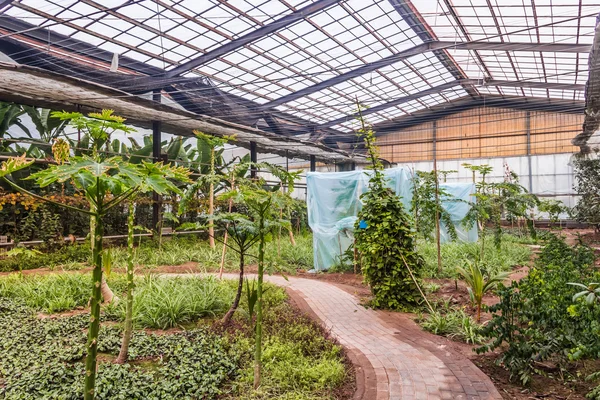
(311, 53)
(517, 21)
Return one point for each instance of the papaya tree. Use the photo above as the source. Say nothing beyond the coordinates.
(104, 183)
(156, 178)
(264, 205)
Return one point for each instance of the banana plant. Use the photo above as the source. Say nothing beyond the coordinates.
(209, 149)
(9, 116)
(478, 284)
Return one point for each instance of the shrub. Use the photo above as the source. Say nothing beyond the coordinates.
(536, 318)
(385, 239)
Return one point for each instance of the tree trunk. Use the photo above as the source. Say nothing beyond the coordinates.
(123, 353)
(478, 312)
(292, 239)
(259, 303)
(236, 302)
(211, 226)
(211, 201)
(94, 327)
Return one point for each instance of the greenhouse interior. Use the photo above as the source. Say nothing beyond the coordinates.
(300, 199)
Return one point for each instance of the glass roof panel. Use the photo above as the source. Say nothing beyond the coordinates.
(343, 37)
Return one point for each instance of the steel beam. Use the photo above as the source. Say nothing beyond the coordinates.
(511, 46)
(412, 17)
(420, 49)
(253, 36)
(450, 85)
(53, 39)
(4, 4)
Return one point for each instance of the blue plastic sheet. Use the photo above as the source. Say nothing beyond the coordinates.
(334, 202)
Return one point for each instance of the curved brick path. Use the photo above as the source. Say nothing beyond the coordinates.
(405, 363)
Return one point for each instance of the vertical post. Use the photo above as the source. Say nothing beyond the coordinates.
(528, 132)
(437, 200)
(313, 164)
(253, 159)
(156, 149)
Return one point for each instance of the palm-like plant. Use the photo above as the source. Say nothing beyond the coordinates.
(479, 283)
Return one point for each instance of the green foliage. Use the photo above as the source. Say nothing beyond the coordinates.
(587, 186)
(495, 200)
(386, 246)
(425, 206)
(57, 257)
(167, 303)
(496, 260)
(455, 324)
(536, 319)
(299, 362)
(42, 358)
(479, 282)
(41, 224)
(554, 209)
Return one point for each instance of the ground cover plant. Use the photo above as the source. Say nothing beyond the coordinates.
(454, 254)
(43, 357)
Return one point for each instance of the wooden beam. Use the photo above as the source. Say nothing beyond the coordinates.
(40, 88)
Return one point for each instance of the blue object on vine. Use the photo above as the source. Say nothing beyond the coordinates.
(362, 224)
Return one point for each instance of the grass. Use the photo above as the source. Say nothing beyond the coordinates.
(181, 250)
(509, 255)
(53, 292)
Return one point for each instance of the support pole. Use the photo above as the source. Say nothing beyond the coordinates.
(313, 164)
(528, 131)
(253, 159)
(156, 149)
(437, 200)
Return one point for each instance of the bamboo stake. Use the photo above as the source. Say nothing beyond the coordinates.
(416, 283)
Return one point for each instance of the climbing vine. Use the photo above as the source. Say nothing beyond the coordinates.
(384, 238)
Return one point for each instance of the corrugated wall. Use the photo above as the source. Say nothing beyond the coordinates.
(481, 133)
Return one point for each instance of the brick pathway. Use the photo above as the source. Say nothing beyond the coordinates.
(406, 364)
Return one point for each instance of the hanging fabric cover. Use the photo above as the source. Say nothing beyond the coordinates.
(334, 202)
